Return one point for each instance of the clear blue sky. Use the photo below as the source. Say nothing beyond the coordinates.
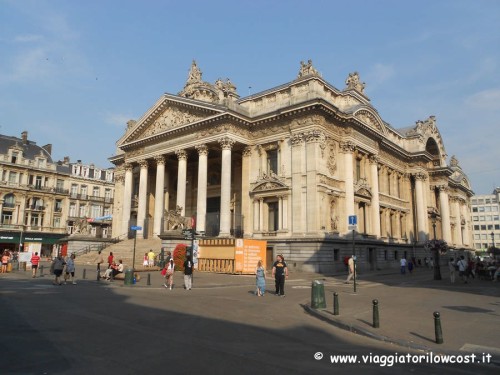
(73, 72)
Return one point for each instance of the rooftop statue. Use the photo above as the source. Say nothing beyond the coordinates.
(353, 83)
(194, 75)
(307, 69)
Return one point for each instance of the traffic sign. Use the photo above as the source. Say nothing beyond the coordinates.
(136, 228)
(188, 234)
(353, 220)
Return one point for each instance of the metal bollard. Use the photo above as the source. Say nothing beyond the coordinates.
(335, 303)
(41, 271)
(376, 320)
(98, 271)
(149, 279)
(437, 328)
(84, 274)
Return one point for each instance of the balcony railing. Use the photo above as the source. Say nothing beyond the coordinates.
(35, 207)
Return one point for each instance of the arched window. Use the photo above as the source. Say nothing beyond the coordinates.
(9, 200)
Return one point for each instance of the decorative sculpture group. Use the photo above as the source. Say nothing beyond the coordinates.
(175, 221)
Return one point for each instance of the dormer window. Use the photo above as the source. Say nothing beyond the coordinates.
(40, 163)
(14, 157)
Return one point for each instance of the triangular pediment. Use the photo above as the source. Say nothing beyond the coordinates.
(167, 114)
(268, 183)
(370, 118)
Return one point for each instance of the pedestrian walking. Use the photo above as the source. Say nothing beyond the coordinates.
(452, 266)
(99, 260)
(151, 258)
(280, 273)
(462, 267)
(410, 266)
(260, 279)
(35, 261)
(402, 263)
(145, 260)
(57, 268)
(350, 270)
(169, 275)
(70, 269)
(5, 261)
(188, 273)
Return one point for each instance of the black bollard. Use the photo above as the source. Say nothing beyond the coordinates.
(149, 279)
(41, 271)
(376, 320)
(335, 303)
(84, 274)
(98, 273)
(437, 328)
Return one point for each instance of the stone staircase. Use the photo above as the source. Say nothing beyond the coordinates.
(123, 250)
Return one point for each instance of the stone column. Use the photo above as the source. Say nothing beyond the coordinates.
(143, 195)
(181, 180)
(464, 212)
(375, 208)
(285, 212)
(256, 215)
(347, 148)
(246, 207)
(280, 212)
(261, 214)
(159, 195)
(455, 211)
(127, 199)
(201, 202)
(445, 213)
(297, 208)
(225, 191)
(314, 139)
(421, 210)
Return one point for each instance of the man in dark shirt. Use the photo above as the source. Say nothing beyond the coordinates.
(188, 273)
(280, 273)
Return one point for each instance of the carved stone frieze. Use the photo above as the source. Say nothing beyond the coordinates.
(171, 118)
(328, 181)
(297, 139)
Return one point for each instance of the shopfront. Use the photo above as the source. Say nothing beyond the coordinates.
(42, 243)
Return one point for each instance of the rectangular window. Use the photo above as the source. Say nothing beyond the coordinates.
(483, 227)
(74, 191)
(57, 222)
(58, 205)
(83, 211)
(474, 209)
(490, 227)
(83, 192)
(487, 209)
(494, 208)
(96, 211)
(476, 227)
(336, 254)
(488, 217)
(474, 201)
(487, 200)
(107, 195)
(59, 184)
(481, 218)
(481, 209)
(7, 218)
(40, 163)
(272, 161)
(38, 182)
(484, 236)
(477, 237)
(475, 218)
(273, 216)
(496, 217)
(96, 192)
(358, 169)
(72, 210)
(12, 177)
(13, 158)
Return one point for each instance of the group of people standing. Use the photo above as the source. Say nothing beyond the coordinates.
(59, 266)
(169, 269)
(279, 272)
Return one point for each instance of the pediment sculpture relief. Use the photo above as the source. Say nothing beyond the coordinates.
(171, 118)
(369, 119)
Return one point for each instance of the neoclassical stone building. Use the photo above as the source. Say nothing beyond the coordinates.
(289, 165)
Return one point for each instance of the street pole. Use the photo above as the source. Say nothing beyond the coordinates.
(354, 257)
(133, 259)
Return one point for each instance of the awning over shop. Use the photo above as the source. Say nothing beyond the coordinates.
(45, 238)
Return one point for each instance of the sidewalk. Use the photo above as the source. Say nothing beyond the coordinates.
(470, 313)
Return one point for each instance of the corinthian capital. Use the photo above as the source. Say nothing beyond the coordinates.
(247, 151)
(160, 159)
(143, 163)
(297, 139)
(315, 136)
(420, 177)
(128, 167)
(347, 147)
(226, 143)
(202, 150)
(374, 159)
(181, 154)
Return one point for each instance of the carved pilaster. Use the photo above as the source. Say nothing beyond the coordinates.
(181, 154)
(247, 151)
(226, 143)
